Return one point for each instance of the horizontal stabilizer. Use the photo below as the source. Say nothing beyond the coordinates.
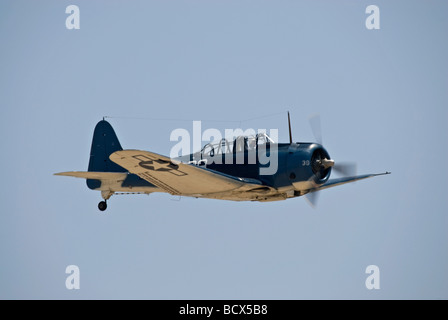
(94, 175)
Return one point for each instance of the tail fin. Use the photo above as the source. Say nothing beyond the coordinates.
(104, 143)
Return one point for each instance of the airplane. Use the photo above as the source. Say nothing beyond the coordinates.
(304, 168)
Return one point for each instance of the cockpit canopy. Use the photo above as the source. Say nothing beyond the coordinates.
(239, 144)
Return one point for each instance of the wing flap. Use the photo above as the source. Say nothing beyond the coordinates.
(175, 178)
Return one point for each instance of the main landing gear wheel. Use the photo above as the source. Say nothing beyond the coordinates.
(102, 205)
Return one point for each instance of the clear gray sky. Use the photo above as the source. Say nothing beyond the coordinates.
(382, 96)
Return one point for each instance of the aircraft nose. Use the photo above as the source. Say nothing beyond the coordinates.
(327, 163)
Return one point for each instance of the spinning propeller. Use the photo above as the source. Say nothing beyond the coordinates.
(344, 168)
(320, 163)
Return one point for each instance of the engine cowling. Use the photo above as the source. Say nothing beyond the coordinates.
(321, 165)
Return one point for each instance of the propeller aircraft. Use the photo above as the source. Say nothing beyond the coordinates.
(304, 168)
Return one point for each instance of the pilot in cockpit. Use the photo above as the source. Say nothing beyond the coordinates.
(251, 143)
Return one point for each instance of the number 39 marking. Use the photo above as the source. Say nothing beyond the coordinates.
(305, 163)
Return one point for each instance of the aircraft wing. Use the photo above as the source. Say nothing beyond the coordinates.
(179, 178)
(340, 181)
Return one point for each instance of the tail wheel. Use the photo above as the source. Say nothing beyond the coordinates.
(102, 205)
